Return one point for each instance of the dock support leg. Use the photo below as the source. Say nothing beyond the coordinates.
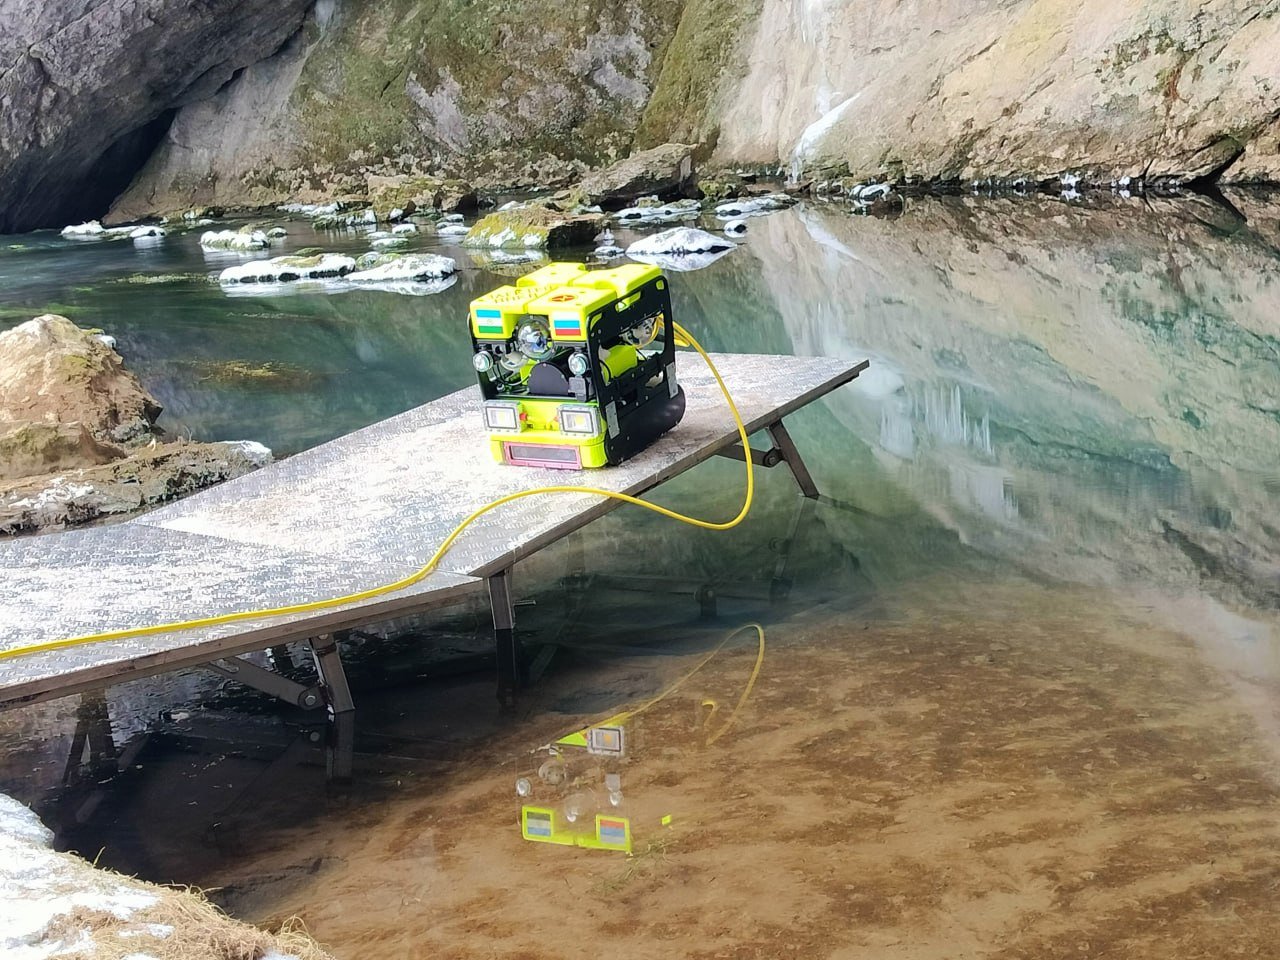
(782, 440)
(506, 645)
(342, 708)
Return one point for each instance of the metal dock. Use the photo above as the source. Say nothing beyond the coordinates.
(362, 510)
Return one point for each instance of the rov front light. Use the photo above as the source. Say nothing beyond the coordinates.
(580, 420)
(483, 361)
(501, 415)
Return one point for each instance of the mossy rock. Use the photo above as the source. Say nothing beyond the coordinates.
(533, 227)
(721, 188)
(308, 252)
(368, 261)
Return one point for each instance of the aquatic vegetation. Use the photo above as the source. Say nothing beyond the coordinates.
(272, 374)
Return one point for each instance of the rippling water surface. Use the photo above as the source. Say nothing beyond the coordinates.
(1019, 694)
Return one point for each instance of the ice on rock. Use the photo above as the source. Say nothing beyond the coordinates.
(679, 240)
(753, 206)
(735, 228)
(404, 229)
(386, 243)
(421, 266)
(664, 213)
(289, 269)
(142, 233)
(91, 229)
(454, 230)
(235, 240)
(106, 338)
(310, 209)
(680, 249)
(277, 232)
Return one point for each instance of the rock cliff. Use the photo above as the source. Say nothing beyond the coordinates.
(264, 107)
(86, 87)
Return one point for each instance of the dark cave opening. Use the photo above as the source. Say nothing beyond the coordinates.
(54, 202)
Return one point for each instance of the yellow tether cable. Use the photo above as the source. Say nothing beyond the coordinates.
(424, 571)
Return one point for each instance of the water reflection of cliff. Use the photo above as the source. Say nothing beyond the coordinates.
(1094, 394)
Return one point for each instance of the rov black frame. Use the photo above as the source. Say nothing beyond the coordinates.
(638, 405)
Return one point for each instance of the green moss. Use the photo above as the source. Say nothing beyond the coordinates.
(244, 373)
(532, 226)
(149, 279)
(496, 60)
(707, 53)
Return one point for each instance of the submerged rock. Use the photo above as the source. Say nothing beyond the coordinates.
(289, 269)
(666, 171)
(532, 226)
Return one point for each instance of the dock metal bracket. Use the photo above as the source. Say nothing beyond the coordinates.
(341, 748)
(331, 691)
(506, 644)
(269, 682)
(783, 451)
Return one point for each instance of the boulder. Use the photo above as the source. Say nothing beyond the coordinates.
(665, 171)
(54, 375)
(533, 226)
(410, 194)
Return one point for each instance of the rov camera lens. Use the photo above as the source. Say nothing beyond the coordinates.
(533, 339)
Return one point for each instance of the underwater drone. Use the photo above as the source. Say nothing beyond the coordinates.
(577, 367)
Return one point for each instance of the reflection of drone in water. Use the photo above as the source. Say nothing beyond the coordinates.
(576, 799)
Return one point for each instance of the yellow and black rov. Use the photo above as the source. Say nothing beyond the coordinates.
(577, 367)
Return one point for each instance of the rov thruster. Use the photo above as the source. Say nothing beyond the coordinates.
(577, 367)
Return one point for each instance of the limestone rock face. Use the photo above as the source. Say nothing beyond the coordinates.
(1175, 88)
(81, 84)
(666, 171)
(518, 92)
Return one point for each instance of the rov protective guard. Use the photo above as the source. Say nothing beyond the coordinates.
(576, 366)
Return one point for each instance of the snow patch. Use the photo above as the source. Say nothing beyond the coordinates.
(259, 454)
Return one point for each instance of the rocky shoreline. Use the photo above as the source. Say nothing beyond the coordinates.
(78, 434)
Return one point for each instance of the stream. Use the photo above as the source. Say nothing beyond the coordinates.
(1019, 688)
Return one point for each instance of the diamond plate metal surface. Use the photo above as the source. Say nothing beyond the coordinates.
(362, 510)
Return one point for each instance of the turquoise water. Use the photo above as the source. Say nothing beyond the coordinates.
(1067, 406)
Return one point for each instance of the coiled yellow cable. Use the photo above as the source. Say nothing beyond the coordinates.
(682, 336)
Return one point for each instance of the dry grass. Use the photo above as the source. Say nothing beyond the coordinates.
(201, 931)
